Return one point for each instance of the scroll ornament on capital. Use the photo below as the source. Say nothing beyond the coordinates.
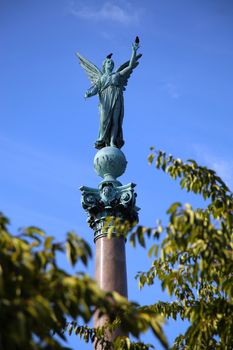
(109, 200)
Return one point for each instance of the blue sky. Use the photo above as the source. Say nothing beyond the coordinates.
(179, 99)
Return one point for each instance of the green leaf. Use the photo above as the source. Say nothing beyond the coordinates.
(173, 207)
(151, 158)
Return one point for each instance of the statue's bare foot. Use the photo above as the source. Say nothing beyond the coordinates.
(113, 144)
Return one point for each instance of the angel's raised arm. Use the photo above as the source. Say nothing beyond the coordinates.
(130, 65)
(93, 72)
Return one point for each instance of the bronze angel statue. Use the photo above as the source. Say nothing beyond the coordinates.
(109, 86)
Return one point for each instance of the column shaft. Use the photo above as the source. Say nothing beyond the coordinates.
(110, 264)
(110, 274)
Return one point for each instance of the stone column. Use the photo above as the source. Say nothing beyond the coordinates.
(110, 265)
(111, 199)
(110, 273)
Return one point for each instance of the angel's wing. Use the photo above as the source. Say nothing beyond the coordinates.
(127, 75)
(92, 71)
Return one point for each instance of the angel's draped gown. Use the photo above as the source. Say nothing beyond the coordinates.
(111, 106)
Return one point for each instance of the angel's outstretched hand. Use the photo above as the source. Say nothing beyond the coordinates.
(135, 46)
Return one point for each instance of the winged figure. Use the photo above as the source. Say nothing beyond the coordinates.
(109, 86)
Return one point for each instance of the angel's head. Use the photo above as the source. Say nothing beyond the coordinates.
(108, 64)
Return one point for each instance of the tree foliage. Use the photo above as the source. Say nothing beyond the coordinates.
(192, 258)
(37, 295)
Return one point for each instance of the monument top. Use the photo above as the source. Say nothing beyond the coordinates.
(109, 86)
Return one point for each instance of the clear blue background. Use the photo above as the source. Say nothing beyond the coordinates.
(179, 99)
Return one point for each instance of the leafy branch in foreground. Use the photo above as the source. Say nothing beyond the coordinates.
(97, 336)
(36, 295)
(194, 261)
(198, 179)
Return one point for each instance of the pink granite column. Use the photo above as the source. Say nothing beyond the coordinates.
(110, 273)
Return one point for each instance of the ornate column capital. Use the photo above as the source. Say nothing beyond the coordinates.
(108, 200)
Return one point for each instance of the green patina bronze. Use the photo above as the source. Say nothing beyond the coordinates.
(111, 199)
(110, 86)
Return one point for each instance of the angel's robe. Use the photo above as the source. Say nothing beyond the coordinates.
(111, 107)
